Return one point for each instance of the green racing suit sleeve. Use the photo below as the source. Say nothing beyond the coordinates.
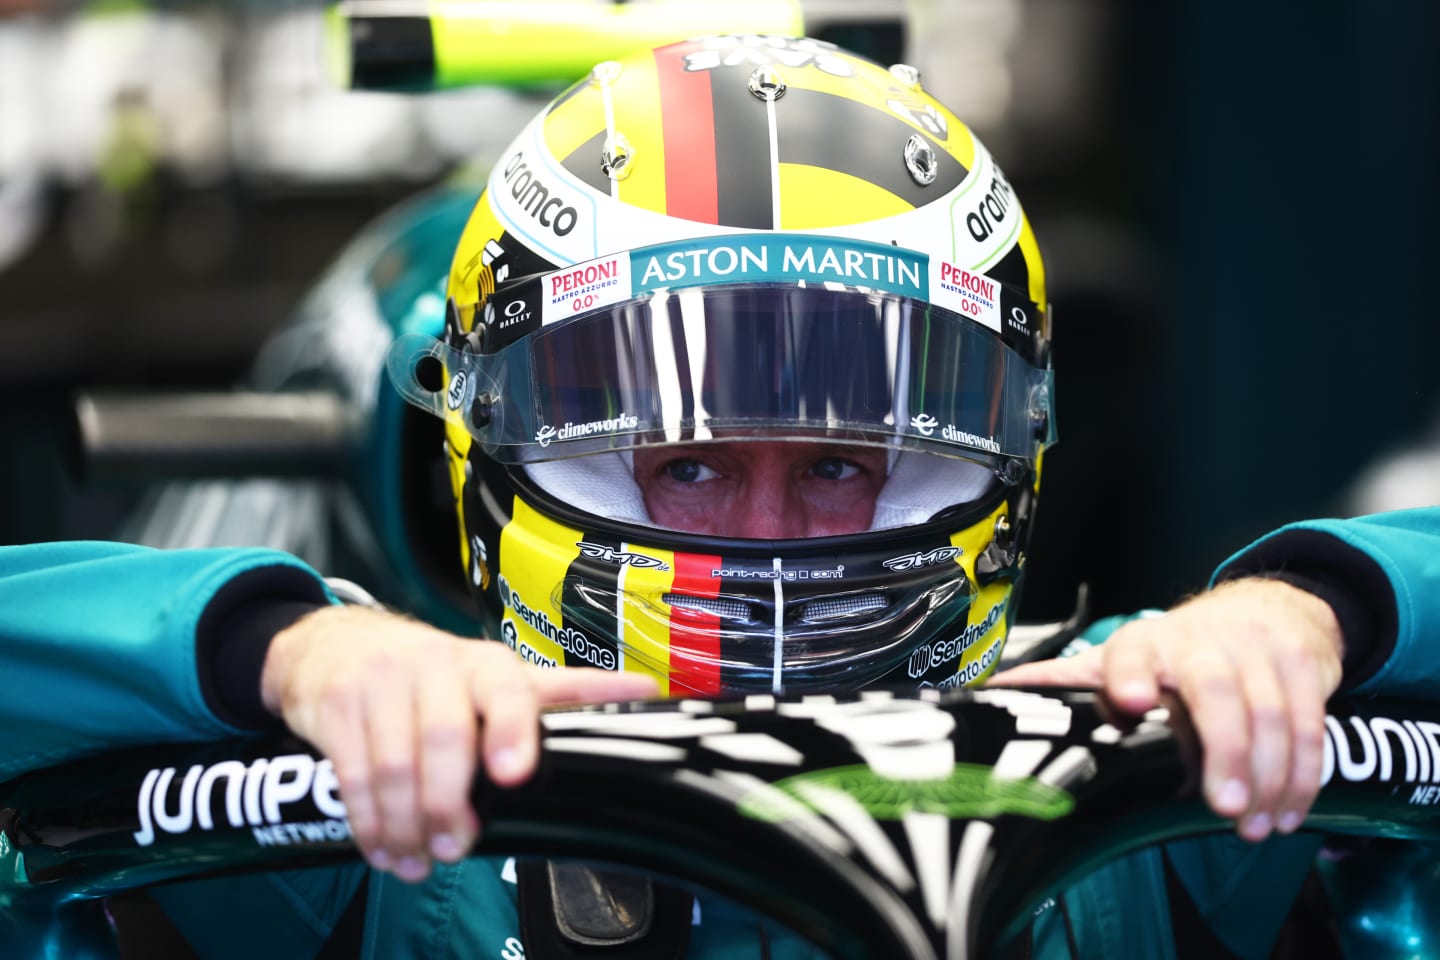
(1381, 575)
(106, 645)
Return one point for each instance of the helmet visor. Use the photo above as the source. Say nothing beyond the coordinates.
(701, 363)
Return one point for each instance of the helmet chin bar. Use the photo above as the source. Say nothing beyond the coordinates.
(763, 641)
(927, 605)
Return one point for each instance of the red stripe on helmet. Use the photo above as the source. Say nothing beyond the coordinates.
(695, 634)
(689, 124)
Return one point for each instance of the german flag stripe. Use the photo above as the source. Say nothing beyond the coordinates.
(533, 535)
(644, 625)
(743, 172)
(840, 134)
(808, 198)
(635, 103)
(603, 580)
(737, 651)
(689, 120)
(694, 635)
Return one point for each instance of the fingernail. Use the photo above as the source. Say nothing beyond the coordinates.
(447, 847)
(505, 763)
(1231, 797)
(1289, 822)
(380, 860)
(1256, 826)
(1135, 690)
(411, 869)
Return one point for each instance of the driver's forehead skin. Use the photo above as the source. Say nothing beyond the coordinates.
(763, 489)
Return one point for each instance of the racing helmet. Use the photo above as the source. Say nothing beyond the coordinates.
(730, 238)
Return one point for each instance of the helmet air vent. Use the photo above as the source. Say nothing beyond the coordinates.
(767, 84)
(920, 160)
(851, 607)
(722, 607)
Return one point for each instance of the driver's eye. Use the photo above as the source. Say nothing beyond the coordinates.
(834, 468)
(688, 471)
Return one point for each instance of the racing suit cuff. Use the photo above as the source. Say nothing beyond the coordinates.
(234, 634)
(1351, 582)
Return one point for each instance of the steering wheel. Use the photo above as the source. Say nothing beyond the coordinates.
(876, 825)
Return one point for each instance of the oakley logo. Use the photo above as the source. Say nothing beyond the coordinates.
(597, 551)
(918, 559)
(925, 423)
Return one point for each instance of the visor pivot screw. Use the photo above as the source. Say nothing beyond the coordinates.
(920, 160)
(1040, 421)
(906, 74)
(766, 84)
(604, 73)
(616, 156)
(482, 411)
(1040, 413)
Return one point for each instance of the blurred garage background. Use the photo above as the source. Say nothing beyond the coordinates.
(1238, 204)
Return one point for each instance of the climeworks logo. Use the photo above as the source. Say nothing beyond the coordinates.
(622, 421)
(925, 423)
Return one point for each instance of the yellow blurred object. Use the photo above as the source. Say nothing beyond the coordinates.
(409, 45)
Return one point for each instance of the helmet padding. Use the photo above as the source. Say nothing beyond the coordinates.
(919, 486)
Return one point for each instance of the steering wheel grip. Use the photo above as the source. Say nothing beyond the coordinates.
(875, 825)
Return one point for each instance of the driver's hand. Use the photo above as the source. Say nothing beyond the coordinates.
(1254, 661)
(399, 707)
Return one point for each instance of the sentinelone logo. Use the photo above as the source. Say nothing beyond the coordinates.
(941, 651)
(567, 638)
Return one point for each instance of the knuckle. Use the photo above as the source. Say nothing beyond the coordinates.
(353, 783)
(446, 736)
(1207, 684)
(337, 698)
(392, 773)
(1310, 740)
(1268, 717)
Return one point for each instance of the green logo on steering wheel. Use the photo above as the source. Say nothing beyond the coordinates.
(970, 791)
